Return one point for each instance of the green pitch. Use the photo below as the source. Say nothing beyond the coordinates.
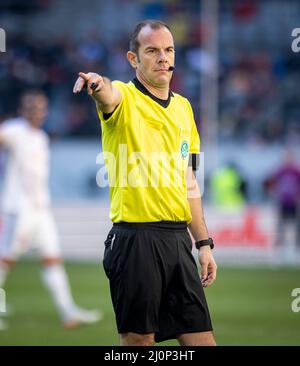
(249, 307)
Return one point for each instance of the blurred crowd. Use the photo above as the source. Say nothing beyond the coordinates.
(260, 100)
(54, 65)
(258, 77)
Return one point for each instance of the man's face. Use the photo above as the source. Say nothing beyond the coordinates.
(155, 55)
(34, 108)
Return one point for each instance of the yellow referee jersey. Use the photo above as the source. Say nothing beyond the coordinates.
(146, 144)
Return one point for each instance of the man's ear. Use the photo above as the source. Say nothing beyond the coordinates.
(132, 58)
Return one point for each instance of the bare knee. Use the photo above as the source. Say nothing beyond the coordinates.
(197, 339)
(135, 339)
(210, 342)
(7, 263)
(51, 261)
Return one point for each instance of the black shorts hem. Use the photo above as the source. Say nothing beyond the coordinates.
(137, 331)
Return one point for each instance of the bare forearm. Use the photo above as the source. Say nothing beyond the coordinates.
(198, 226)
(199, 230)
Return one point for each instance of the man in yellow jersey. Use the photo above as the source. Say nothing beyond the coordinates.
(149, 143)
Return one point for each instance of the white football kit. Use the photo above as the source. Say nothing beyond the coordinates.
(27, 221)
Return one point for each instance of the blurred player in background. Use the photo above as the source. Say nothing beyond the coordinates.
(27, 217)
(228, 187)
(155, 286)
(284, 186)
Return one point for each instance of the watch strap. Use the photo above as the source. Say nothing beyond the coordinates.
(202, 243)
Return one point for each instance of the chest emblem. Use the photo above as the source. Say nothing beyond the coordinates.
(184, 149)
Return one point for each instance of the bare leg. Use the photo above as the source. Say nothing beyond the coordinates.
(135, 339)
(197, 339)
(6, 265)
(56, 280)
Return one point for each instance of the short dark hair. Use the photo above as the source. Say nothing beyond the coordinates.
(153, 24)
(31, 93)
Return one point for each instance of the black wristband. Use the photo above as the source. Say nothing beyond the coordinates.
(202, 243)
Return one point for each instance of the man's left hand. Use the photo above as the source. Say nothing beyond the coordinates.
(208, 266)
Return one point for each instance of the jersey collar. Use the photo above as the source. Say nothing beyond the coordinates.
(163, 102)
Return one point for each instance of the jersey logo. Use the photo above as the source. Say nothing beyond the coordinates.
(184, 149)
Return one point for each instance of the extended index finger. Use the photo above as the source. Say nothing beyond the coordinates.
(84, 76)
(79, 84)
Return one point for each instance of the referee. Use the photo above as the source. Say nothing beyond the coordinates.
(154, 283)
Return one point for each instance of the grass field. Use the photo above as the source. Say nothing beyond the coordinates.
(248, 307)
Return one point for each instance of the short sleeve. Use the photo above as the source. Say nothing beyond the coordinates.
(117, 117)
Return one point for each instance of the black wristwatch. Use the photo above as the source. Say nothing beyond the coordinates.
(202, 243)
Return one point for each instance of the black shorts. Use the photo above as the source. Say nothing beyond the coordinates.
(154, 281)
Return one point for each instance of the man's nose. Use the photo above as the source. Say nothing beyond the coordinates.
(162, 57)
